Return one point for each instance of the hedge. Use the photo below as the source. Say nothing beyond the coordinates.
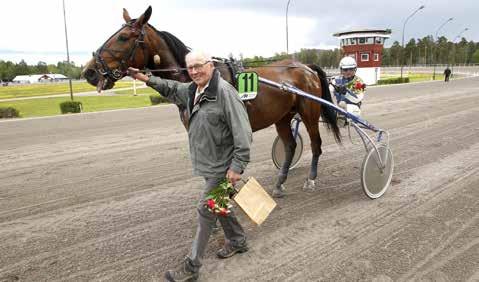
(71, 107)
(9, 112)
(394, 80)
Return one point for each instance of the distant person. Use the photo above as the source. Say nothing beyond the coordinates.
(348, 87)
(447, 74)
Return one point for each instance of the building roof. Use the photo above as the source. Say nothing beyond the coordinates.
(37, 77)
(363, 32)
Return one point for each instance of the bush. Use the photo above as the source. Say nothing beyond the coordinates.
(157, 99)
(9, 112)
(71, 107)
(394, 80)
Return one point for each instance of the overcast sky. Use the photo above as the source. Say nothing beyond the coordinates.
(33, 30)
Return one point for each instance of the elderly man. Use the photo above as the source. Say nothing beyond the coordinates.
(219, 136)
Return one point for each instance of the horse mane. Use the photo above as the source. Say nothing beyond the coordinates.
(177, 48)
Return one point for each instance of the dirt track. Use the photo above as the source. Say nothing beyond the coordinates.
(109, 196)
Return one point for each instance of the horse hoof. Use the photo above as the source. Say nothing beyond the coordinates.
(309, 185)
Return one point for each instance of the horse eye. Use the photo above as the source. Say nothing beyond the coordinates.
(122, 38)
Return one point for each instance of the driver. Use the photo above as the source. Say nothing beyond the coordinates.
(348, 87)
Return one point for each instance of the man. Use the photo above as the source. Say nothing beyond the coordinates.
(447, 74)
(219, 136)
(348, 87)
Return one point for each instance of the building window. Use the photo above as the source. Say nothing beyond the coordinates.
(370, 40)
(379, 40)
(362, 40)
(352, 41)
(364, 57)
(376, 57)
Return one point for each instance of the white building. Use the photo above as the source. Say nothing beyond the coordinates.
(37, 78)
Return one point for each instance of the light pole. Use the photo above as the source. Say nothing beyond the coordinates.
(454, 46)
(287, 46)
(68, 52)
(433, 57)
(403, 27)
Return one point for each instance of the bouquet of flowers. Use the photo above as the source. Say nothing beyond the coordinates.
(218, 200)
(359, 86)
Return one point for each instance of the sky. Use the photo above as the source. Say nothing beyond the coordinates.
(34, 30)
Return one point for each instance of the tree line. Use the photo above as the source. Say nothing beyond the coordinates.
(9, 70)
(423, 51)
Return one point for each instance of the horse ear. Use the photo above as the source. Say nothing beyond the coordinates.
(126, 16)
(145, 17)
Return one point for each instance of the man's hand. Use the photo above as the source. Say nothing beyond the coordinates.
(232, 176)
(136, 74)
(342, 90)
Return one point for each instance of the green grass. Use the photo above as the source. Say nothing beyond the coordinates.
(415, 77)
(31, 90)
(141, 91)
(51, 106)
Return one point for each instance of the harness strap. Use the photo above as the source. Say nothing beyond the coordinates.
(116, 74)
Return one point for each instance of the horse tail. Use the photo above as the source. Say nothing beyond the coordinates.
(328, 114)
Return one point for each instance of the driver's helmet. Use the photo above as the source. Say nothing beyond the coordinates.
(347, 63)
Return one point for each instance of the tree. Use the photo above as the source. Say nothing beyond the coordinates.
(470, 49)
(308, 56)
(442, 50)
(7, 70)
(22, 68)
(395, 52)
(41, 68)
(409, 52)
(475, 57)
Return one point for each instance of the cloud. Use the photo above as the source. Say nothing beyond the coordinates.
(224, 26)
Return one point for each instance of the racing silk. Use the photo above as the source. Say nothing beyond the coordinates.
(355, 89)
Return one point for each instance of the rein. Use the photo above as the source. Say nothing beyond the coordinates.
(217, 67)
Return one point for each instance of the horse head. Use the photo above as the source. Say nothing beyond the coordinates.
(136, 44)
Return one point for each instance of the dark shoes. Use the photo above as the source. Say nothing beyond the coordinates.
(278, 193)
(184, 272)
(229, 250)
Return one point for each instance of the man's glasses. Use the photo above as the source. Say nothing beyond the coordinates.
(197, 67)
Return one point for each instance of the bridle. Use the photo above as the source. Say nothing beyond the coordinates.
(124, 58)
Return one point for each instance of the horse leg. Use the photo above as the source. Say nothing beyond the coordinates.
(313, 131)
(283, 127)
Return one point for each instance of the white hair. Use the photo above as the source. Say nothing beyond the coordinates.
(198, 54)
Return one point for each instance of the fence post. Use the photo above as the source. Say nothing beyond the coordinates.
(134, 87)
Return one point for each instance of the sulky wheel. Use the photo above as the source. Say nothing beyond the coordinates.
(278, 154)
(374, 179)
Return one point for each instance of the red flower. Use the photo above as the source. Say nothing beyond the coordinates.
(211, 203)
(223, 212)
(359, 85)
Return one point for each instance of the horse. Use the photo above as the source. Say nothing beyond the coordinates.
(140, 45)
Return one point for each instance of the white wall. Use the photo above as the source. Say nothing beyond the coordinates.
(369, 75)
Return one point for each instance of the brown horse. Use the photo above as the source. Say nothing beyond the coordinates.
(140, 45)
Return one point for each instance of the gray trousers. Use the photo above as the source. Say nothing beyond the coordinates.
(234, 233)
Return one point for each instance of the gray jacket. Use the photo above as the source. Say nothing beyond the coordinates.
(219, 131)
